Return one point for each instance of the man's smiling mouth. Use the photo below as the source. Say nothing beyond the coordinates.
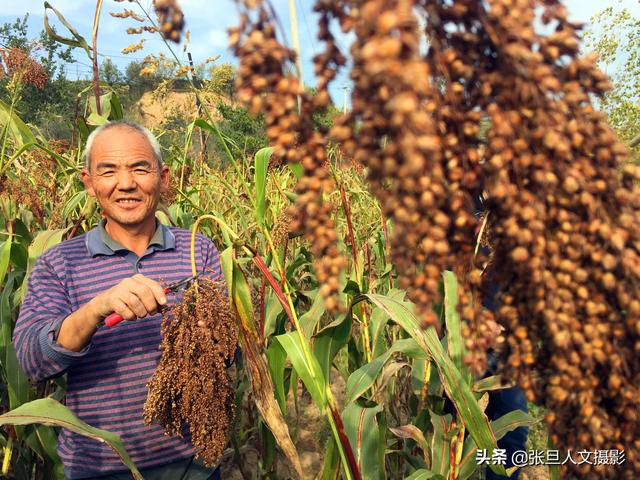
(128, 201)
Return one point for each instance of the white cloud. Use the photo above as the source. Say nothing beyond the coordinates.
(217, 38)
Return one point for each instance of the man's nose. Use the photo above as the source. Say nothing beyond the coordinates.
(126, 179)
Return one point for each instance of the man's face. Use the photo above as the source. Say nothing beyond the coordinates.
(124, 177)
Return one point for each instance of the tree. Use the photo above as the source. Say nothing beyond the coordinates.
(138, 84)
(14, 34)
(109, 73)
(50, 108)
(51, 54)
(615, 37)
(223, 79)
(244, 133)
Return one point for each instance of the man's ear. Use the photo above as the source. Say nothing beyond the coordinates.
(164, 179)
(88, 182)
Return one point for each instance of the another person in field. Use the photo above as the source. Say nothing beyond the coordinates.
(119, 266)
(505, 400)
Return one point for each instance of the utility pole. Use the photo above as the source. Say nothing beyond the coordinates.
(296, 43)
(345, 89)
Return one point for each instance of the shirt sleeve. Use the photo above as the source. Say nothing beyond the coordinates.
(45, 307)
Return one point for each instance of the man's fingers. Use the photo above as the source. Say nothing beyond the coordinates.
(135, 305)
(136, 297)
(156, 289)
(124, 311)
(146, 296)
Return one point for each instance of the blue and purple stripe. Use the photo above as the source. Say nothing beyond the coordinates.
(106, 381)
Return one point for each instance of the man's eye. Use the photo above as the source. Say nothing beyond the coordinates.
(141, 171)
(107, 173)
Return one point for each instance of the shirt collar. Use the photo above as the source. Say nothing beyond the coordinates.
(98, 241)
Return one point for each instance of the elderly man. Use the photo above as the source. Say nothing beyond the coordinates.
(119, 266)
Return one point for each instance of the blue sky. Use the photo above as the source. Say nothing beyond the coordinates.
(207, 20)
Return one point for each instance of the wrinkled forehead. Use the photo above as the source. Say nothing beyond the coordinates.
(122, 147)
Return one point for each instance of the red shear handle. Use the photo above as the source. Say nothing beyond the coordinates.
(116, 318)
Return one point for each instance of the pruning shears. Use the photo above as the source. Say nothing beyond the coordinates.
(116, 318)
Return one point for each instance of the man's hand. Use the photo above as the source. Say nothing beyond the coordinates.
(134, 297)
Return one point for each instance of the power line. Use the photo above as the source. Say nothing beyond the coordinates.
(119, 56)
(306, 26)
(78, 62)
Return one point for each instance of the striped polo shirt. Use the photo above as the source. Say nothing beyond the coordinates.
(106, 381)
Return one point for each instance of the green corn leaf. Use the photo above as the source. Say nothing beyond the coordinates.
(48, 440)
(116, 107)
(362, 379)
(77, 41)
(261, 162)
(17, 382)
(21, 233)
(277, 357)
(242, 300)
(311, 317)
(500, 428)
(378, 322)
(83, 128)
(328, 342)
(42, 440)
(361, 425)
(453, 381)
(46, 411)
(41, 243)
(45, 240)
(297, 169)
(489, 384)
(272, 308)
(455, 341)
(331, 462)
(96, 120)
(226, 262)
(511, 421)
(6, 314)
(256, 365)
(291, 196)
(19, 256)
(5, 255)
(20, 132)
(440, 443)
(311, 375)
(424, 474)
(71, 205)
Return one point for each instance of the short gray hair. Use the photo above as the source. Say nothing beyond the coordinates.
(153, 141)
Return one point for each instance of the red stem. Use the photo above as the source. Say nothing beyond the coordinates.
(261, 318)
(76, 225)
(353, 466)
(347, 213)
(351, 459)
(257, 259)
